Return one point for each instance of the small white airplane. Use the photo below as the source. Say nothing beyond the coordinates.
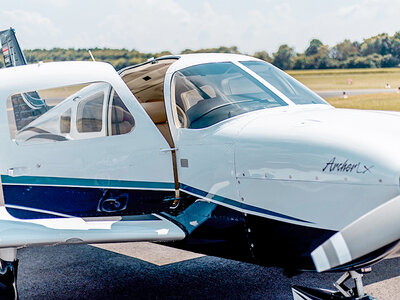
(220, 154)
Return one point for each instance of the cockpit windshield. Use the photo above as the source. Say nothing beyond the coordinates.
(287, 85)
(209, 93)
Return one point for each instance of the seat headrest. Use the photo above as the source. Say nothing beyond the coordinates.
(156, 111)
(120, 115)
(191, 97)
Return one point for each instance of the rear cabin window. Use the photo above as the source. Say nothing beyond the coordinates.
(82, 111)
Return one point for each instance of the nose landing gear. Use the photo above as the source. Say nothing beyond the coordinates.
(343, 292)
(8, 274)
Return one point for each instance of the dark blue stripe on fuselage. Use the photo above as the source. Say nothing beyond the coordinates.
(238, 204)
(83, 182)
(82, 197)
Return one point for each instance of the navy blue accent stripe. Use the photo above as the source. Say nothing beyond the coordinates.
(24, 201)
(238, 204)
(60, 181)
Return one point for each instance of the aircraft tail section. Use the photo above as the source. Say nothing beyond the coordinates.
(27, 106)
(12, 53)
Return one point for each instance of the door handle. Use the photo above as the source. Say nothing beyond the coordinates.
(168, 149)
(17, 171)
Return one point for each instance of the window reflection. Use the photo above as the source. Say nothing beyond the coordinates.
(90, 113)
(72, 113)
(210, 93)
(121, 119)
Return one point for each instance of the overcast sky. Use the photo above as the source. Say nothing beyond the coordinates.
(174, 25)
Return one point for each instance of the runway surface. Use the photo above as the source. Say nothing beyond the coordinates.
(331, 94)
(152, 271)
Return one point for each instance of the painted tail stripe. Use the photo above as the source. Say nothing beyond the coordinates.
(59, 181)
(238, 204)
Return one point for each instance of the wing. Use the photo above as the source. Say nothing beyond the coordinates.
(66, 230)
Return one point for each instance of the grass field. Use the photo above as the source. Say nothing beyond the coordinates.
(336, 80)
(385, 101)
(322, 80)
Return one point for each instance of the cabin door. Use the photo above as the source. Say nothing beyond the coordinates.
(92, 151)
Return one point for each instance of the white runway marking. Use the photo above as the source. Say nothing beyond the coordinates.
(156, 254)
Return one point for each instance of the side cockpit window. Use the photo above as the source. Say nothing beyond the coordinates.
(65, 122)
(89, 117)
(287, 85)
(65, 113)
(121, 120)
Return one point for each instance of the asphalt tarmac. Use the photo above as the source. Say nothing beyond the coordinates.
(331, 94)
(151, 271)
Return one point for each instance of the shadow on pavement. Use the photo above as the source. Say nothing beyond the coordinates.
(86, 272)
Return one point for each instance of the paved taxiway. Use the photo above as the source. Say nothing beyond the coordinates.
(331, 94)
(151, 271)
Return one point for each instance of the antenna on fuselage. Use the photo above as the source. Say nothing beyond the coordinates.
(91, 55)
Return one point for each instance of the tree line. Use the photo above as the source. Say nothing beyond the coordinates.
(379, 51)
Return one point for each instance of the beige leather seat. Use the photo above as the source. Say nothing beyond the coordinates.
(156, 111)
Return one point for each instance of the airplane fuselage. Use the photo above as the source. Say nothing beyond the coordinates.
(221, 154)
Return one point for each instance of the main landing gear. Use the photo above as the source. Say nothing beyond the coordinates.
(8, 274)
(343, 292)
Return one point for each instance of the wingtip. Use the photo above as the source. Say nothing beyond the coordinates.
(320, 259)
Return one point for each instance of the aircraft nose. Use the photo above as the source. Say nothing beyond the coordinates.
(378, 228)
